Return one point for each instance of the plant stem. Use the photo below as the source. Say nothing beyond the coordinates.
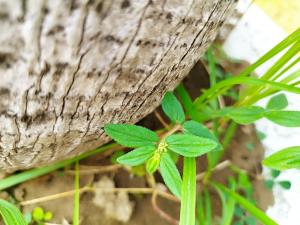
(188, 193)
(105, 190)
(76, 196)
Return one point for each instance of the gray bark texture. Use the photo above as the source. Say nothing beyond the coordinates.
(69, 67)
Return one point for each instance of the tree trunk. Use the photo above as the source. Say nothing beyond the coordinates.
(69, 67)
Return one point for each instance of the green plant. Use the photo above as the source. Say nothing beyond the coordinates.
(11, 214)
(197, 140)
(269, 183)
(187, 136)
(189, 139)
(39, 216)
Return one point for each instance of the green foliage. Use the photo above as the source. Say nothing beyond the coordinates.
(152, 164)
(277, 102)
(28, 217)
(228, 204)
(48, 216)
(137, 157)
(285, 184)
(198, 129)
(261, 135)
(190, 145)
(270, 183)
(170, 174)
(257, 213)
(288, 158)
(194, 139)
(37, 172)
(172, 108)
(275, 173)
(284, 118)
(131, 135)
(39, 216)
(246, 114)
(188, 194)
(11, 215)
(115, 156)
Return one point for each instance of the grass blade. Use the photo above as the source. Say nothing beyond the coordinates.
(293, 37)
(219, 87)
(207, 203)
(188, 192)
(76, 196)
(11, 215)
(33, 173)
(252, 209)
(228, 204)
(200, 210)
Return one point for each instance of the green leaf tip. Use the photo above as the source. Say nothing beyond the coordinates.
(131, 135)
(11, 215)
(288, 158)
(190, 145)
(136, 157)
(170, 174)
(284, 118)
(277, 102)
(172, 108)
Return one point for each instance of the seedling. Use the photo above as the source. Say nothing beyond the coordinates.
(189, 139)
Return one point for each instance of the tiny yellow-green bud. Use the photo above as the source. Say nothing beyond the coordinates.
(152, 164)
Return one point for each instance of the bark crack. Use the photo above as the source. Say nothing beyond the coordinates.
(71, 83)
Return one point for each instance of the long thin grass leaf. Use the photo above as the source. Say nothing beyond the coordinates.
(76, 196)
(11, 215)
(252, 209)
(217, 89)
(33, 173)
(292, 38)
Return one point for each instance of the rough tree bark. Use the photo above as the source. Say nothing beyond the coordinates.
(69, 67)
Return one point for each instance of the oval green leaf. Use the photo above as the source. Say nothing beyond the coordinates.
(284, 118)
(170, 174)
(288, 158)
(246, 114)
(198, 129)
(190, 145)
(285, 184)
(277, 102)
(137, 157)
(131, 135)
(172, 108)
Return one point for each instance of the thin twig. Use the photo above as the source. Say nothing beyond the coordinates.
(160, 212)
(161, 120)
(218, 167)
(107, 190)
(176, 128)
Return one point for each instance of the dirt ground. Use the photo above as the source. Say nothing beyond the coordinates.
(138, 209)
